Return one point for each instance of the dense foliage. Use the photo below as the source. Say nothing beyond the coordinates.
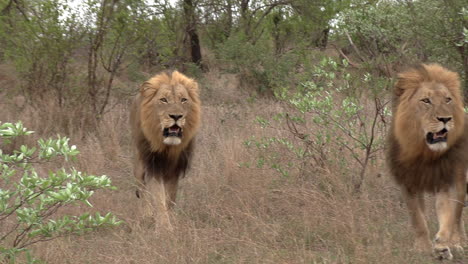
(76, 50)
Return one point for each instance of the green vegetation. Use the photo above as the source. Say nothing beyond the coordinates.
(30, 202)
(77, 52)
(329, 118)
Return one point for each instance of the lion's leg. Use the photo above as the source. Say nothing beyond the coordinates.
(447, 208)
(415, 204)
(461, 226)
(139, 173)
(458, 235)
(171, 186)
(157, 193)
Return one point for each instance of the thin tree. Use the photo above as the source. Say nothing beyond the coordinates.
(191, 32)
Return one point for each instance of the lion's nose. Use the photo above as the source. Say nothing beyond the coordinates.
(444, 119)
(175, 117)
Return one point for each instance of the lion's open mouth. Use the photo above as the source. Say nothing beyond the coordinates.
(173, 131)
(433, 138)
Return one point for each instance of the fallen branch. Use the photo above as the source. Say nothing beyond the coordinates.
(356, 65)
(354, 46)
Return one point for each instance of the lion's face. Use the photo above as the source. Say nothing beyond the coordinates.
(429, 115)
(434, 106)
(172, 104)
(170, 112)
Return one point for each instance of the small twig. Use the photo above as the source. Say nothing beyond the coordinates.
(353, 153)
(355, 65)
(9, 232)
(292, 128)
(354, 46)
(43, 240)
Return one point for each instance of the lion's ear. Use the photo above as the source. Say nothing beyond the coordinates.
(192, 85)
(147, 89)
(398, 90)
(144, 86)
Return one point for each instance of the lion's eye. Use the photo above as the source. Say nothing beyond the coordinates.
(164, 100)
(448, 100)
(426, 101)
(183, 100)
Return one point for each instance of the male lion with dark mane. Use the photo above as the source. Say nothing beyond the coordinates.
(428, 152)
(165, 117)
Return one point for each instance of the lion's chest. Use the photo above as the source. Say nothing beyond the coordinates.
(427, 175)
(164, 164)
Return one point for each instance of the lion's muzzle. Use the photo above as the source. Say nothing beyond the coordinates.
(437, 133)
(433, 138)
(173, 131)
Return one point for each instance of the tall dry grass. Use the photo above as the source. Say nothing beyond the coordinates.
(225, 213)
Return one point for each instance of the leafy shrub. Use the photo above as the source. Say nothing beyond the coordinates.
(332, 124)
(394, 34)
(260, 67)
(29, 202)
(40, 43)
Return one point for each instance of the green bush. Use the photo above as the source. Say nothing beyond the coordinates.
(394, 34)
(41, 43)
(260, 67)
(29, 202)
(333, 124)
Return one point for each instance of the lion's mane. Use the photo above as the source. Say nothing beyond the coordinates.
(159, 159)
(411, 163)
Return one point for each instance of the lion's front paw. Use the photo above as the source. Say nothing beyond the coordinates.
(442, 252)
(458, 248)
(458, 251)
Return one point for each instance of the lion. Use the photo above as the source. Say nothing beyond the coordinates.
(165, 117)
(428, 152)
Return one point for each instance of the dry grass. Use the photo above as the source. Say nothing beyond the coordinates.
(226, 213)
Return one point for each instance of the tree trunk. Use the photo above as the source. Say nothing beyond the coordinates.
(228, 29)
(244, 21)
(324, 39)
(195, 47)
(7, 8)
(191, 31)
(277, 34)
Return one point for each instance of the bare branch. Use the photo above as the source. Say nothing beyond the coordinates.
(358, 53)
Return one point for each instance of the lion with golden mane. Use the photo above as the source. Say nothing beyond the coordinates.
(164, 118)
(428, 152)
